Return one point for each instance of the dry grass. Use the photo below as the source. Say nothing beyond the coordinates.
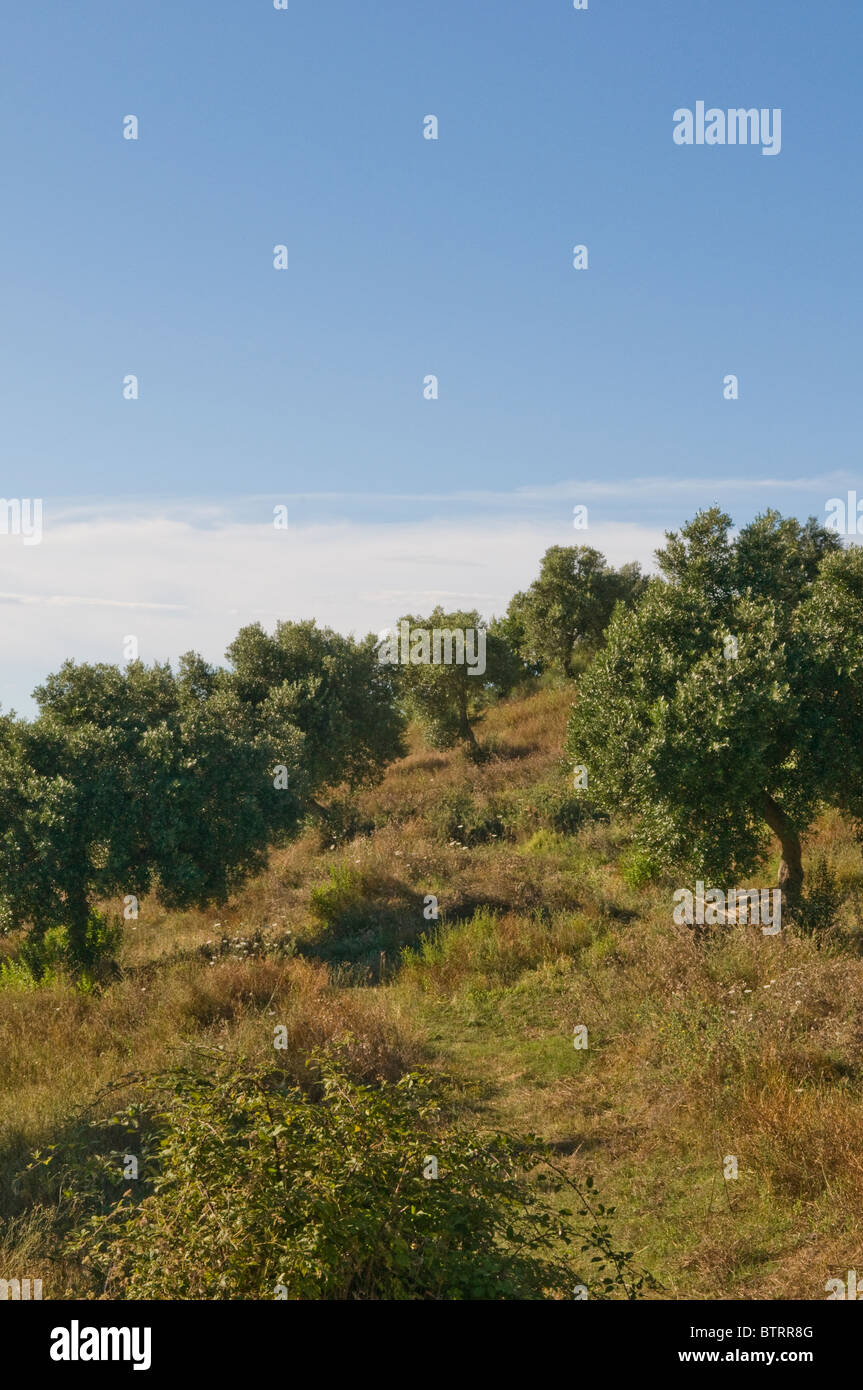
(738, 1045)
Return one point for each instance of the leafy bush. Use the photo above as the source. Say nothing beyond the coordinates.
(544, 842)
(43, 955)
(457, 816)
(14, 974)
(638, 868)
(319, 1193)
(342, 821)
(343, 897)
(818, 908)
(363, 915)
(555, 808)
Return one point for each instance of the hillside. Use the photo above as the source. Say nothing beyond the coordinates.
(733, 1045)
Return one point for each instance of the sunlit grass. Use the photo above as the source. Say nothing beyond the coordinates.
(738, 1045)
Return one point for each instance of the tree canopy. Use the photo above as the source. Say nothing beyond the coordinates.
(568, 607)
(134, 780)
(332, 689)
(724, 704)
(447, 696)
(145, 780)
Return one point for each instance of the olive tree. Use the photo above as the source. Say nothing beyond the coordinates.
(137, 780)
(145, 780)
(330, 688)
(566, 610)
(451, 665)
(724, 705)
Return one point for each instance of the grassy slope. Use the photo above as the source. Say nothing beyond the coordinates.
(750, 1046)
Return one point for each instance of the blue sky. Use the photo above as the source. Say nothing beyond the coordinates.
(406, 257)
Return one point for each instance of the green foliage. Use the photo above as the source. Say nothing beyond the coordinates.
(543, 842)
(637, 868)
(15, 974)
(131, 781)
(332, 689)
(319, 1193)
(509, 631)
(457, 816)
(818, 909)
(143, 780)
(555, 808)
(363, 916)
(45, 956)
(831, 620)
(339, 822)
(567, 609)
(706, 751)
(344, 896)
(46, 953)
(443, 696)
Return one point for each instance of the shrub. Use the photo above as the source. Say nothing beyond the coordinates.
(544, 842)
(819, 904)
(319, 1193)
(555, 808)
(457, 816)
(45, 954)
(638, 868)
(14, 974)
(342, 821)
(343, 897)
(363, 914)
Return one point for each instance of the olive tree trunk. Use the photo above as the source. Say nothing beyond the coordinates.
(466, 733)
(77, 919)
(790, 878)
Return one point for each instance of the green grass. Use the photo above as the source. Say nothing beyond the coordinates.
(738, 1045)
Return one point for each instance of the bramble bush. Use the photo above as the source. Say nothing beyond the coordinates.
(318, 1193)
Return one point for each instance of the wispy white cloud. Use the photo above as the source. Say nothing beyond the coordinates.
(186, 574)
(177, 585)
(80, 601)
(216, 513)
